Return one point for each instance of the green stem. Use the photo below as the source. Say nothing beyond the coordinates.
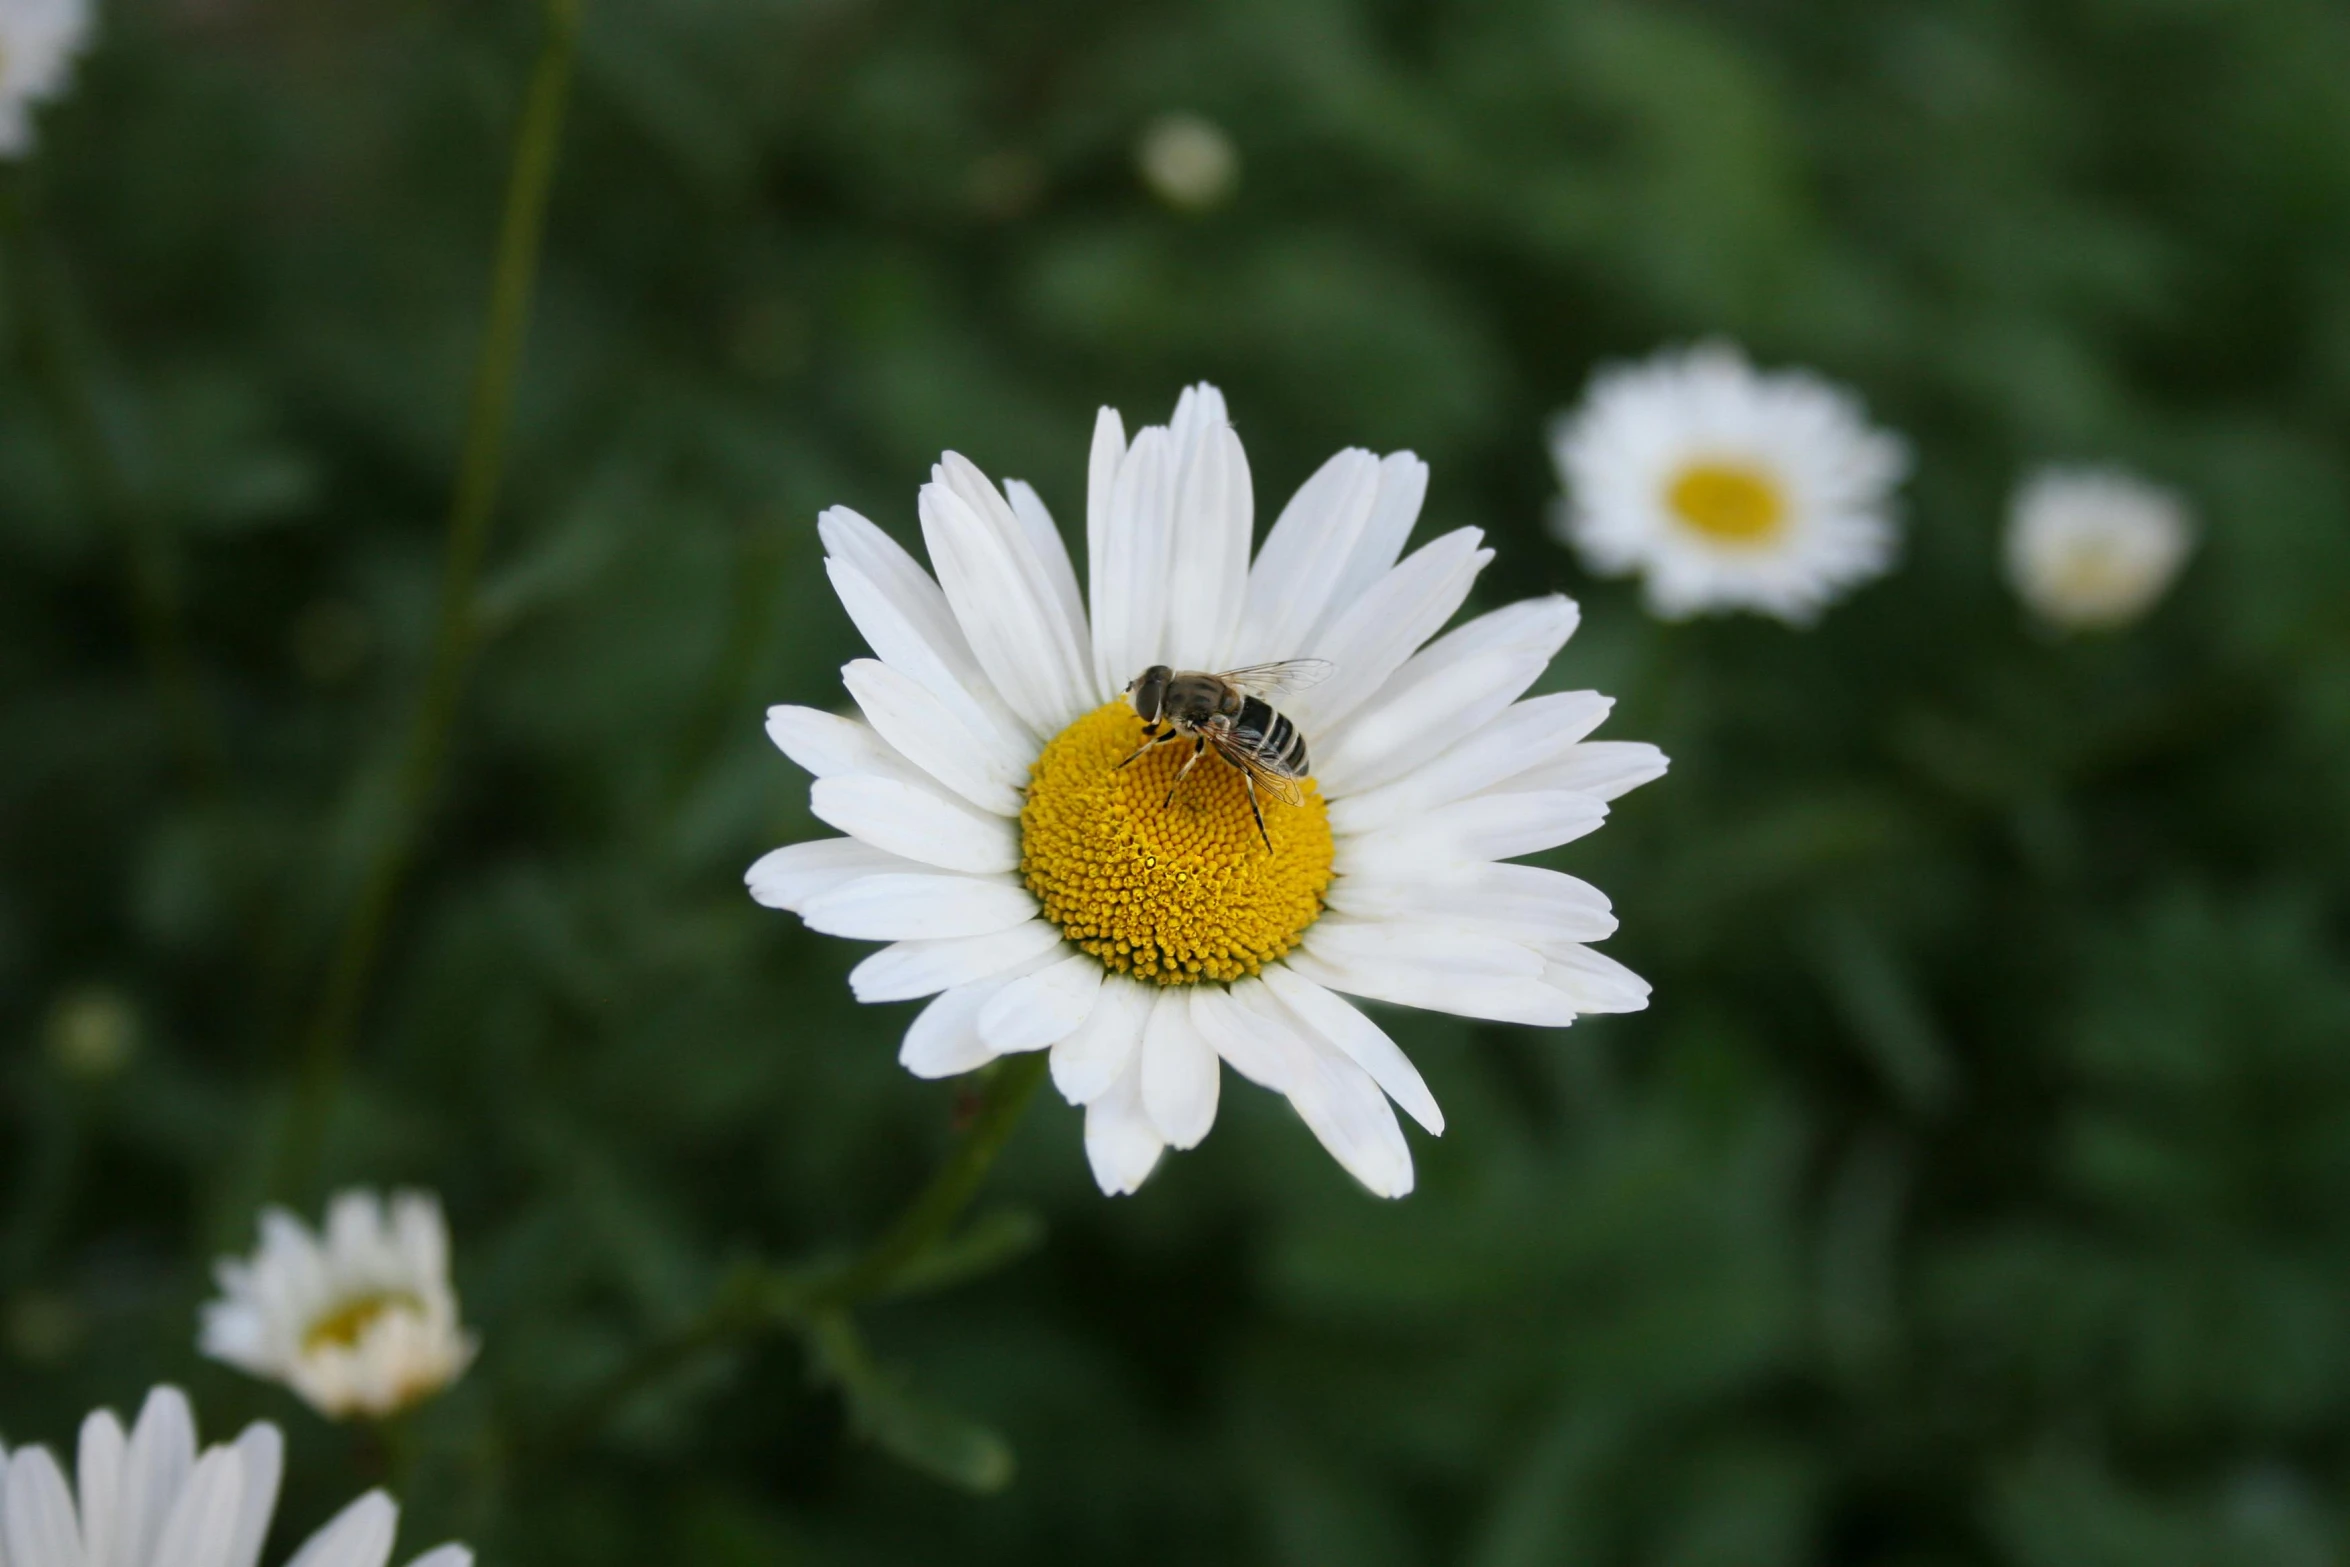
(1009, 1085)
(760, 1298)
(60, 363)
(471, 511)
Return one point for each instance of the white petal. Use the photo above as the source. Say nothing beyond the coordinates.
(263, 1450)
(943, 1041)
(36, 1513)
(1403, 486)
(1101, 483)
(1043, 1008)
(1234, 1032)
(445, 1556)
(1533, 733)
(1003, 597)
(906, 819)
(1336, 1099)
(1593, 981)
(97, 1473)
(919, 907)
(1094, 1055)
(1051, 549)
(1034, 546)
(163, 1443)
(1362, 1041)
(1391, 735)
(1199, 411)
(922, 968)
(1439, 687)
(827, 745)
(1500, 998)
(1120, 1142)
(1214, 515)
(202, 1528)
(1413, 945)
(1536, 625)
(788, 877)
(1483, 827)
(1376, 632)
(1132, 545)
(358, 1536)
(354, 1227)
(1602, 769)
(1179, 1072)
(937, 738)
(898, 640)
(1292, 584)
(1523, 903)
(914, 598)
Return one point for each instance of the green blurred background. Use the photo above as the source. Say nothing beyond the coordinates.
(1977, 1187)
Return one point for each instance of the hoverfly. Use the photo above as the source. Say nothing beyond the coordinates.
(1233, 712)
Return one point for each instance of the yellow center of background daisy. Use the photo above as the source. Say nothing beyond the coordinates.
(1177, 891)
(1728, 502)
(343, 1327)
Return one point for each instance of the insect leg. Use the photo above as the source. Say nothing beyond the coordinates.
(1248, 781)
(1146, 745)
(1199, 748)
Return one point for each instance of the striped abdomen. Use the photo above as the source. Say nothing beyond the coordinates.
(1271, 738)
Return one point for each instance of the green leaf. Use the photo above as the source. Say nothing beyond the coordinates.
(995, 1239)
(919, 1434)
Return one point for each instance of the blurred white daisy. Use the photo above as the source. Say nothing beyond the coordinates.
(1188, 161)
(150, 1499)
(2089, 548)
(1725, 487)
(38, 40)
(361, 1320)
(1050, 897)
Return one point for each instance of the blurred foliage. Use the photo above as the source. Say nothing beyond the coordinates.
(1972, 1192)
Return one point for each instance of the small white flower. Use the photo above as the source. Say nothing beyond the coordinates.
(93, 1030)
(38, 40)
(1725, 487)
(1051, 895)
(150, 1499)
(359, 1321)
(2094, 547)
(1188, 162)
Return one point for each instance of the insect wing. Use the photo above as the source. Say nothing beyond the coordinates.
(1268, 777)
(1267, 681)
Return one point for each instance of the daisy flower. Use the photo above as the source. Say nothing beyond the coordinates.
(38, 40)
(2090, 548)
(1055, 887)
(1188, 162)
(361, 1320)
(1724, 487)
(150, 1499)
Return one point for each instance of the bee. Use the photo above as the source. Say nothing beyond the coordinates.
(1232, 712)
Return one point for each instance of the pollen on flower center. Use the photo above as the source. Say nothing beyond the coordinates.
(1170, 891)
(1729, 502)
(347, 1324)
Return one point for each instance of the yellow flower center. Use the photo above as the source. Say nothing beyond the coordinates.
(343, 1327)
(1174, 891)
(1728, 502)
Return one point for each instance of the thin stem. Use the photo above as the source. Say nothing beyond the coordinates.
(759, 1298)
(472, 509)
(1009, 1085)
(60, 363)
